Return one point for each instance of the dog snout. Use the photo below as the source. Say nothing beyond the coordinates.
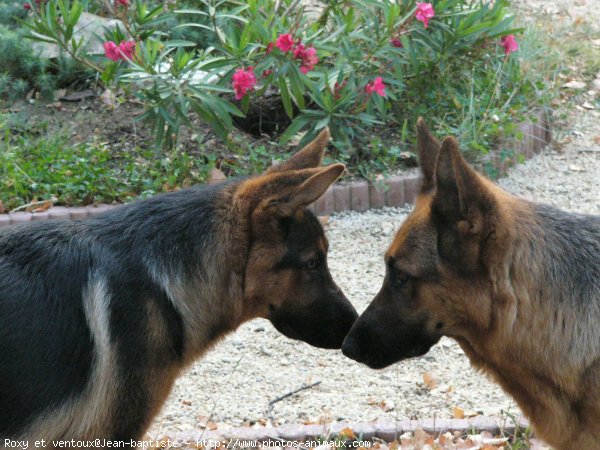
(350, 348)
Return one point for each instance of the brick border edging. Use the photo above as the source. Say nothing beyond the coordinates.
(386, 431)
(358, 196)
(400, 190)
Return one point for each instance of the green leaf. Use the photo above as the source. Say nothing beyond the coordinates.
(285, 97)
(297, 124)
(179, 43)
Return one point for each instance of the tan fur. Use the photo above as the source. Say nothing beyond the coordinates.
(85, 415)
(490, 294)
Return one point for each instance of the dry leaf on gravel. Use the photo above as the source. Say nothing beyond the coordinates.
(430, 380)
(458, 412)
(347, 433)
(422, 440)
(204, 422)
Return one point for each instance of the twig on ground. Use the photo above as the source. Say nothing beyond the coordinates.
(289, 394)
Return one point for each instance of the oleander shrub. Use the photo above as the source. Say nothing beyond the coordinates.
(362, 67)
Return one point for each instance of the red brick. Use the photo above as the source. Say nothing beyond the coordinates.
(526, 146)
(359, 195)
(341, 197)
(324, 205)
(42, 215)
(5, 220)
(260, 434)
(376, 195)
(96, 210)
(292, 432)
(59, 213)
(390, 432)
(314, 431)
(540, 135)
(412, 184)
(484, 423)
(79, 213)
(394, 196)
(546, 124)
(20, 217)
(364, 430)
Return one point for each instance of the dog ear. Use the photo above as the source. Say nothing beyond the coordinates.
(300, 195)
(273, 196)
(461, 197)
(309, 156)
(428, 150)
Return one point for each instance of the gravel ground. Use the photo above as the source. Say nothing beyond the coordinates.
(234, 383)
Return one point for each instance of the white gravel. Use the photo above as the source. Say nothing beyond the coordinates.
(235, 382)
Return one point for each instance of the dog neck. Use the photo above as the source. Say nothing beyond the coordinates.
(542, 341)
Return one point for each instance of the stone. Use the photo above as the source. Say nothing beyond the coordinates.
(359, 196)
(394, 195)
(341, 197)
(376, 196)
(89, 27)
(59, 213)
(412, 185)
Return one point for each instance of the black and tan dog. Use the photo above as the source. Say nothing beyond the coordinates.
(517, 284)
(98, 317)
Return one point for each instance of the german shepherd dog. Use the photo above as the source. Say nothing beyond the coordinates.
(98, 317)
(515, 283)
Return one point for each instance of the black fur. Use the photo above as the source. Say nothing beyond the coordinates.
(569, 241)
(46, 347)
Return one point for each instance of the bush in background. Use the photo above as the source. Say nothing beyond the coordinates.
(362, 64)
(21, 69)
(365, 68)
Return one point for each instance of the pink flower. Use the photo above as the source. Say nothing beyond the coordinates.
(424, 13)
(396, 42)
(270, 47)
(307, 55)
(509, 43)
(299, 51)
(243, 81)
(285, 42)
(126, 48)
(376, 86)
(267, 72)
(27, 6)
(309, 60)
(124, 3)
(111, 51)
(116, 52)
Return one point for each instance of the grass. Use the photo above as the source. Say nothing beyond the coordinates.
(37, 166)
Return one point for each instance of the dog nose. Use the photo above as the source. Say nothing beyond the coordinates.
(350, 348)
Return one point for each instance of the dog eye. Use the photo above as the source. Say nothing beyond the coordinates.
(313, 263)
(401, 277)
